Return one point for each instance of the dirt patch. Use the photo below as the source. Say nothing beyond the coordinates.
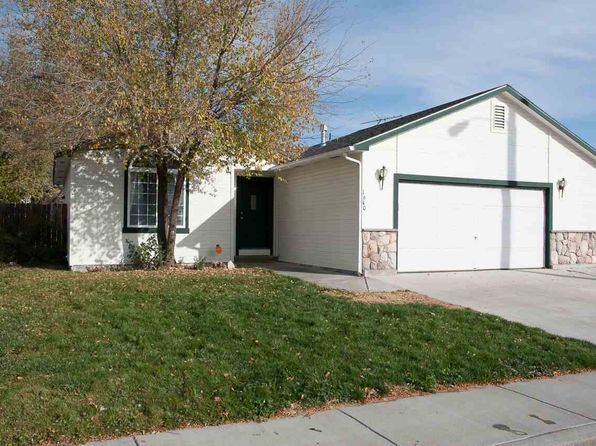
(389, 297)
(176, 271)
(396, 393)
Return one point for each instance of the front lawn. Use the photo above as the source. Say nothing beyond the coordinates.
(106, 354)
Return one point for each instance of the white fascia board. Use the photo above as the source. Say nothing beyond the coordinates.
(312, 159)
(555, 126)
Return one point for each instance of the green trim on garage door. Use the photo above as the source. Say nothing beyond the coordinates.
(547, 188)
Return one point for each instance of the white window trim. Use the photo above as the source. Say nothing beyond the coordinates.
(129, 201)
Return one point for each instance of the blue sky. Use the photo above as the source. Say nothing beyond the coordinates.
(421, 53)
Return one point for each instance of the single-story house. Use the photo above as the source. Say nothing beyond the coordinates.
(489, 181)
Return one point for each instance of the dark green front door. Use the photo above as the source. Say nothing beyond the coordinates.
(254, 213)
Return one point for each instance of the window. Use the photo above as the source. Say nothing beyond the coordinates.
(499, 118)
(141, 200)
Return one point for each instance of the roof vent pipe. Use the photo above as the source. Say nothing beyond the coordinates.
(324, 134)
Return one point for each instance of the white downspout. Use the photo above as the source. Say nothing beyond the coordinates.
(359, 210)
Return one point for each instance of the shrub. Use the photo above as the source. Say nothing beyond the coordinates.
(145, 255)
(200, 263)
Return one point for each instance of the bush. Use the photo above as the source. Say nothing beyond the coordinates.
(145, 255)
(200, 263)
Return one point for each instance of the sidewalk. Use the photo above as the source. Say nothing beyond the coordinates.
(558, 411)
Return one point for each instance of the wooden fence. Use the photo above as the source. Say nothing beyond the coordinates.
(33, 232)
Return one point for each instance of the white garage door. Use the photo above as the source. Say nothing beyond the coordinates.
(445, 227)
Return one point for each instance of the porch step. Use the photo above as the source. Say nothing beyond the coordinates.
(254, 259)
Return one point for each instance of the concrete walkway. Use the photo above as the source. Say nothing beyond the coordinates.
(544, 412)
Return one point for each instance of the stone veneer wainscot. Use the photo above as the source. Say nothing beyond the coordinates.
(379, 249)
(572, 248)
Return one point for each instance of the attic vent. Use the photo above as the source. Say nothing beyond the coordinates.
(499, 118)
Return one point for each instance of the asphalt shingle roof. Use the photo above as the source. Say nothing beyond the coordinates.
(369, 132)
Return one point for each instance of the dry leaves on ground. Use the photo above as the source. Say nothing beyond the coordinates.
(389, 297)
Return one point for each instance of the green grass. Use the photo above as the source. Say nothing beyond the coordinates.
(99, 354)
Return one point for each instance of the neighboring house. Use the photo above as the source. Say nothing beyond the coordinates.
(484, 182)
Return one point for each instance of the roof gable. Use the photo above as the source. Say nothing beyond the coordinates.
(363, 139)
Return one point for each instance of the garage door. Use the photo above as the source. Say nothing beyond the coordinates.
(451, 227)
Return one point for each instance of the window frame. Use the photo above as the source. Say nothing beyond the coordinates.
(127, 227)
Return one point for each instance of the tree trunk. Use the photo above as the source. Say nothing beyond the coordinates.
(169, 258)
(167, 216)
(162, 206)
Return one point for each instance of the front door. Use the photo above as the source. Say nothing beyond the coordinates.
(254, 216)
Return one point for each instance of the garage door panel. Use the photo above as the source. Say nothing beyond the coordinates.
(449, 227)
(507, 258)
(427, 259)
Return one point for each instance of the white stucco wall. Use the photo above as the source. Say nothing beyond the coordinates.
(67, 190)
(316, 214)
(575, 209)
(462, 144)
(377, 212)
(96, 217)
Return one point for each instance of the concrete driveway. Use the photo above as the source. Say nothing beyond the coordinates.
(559, 301)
